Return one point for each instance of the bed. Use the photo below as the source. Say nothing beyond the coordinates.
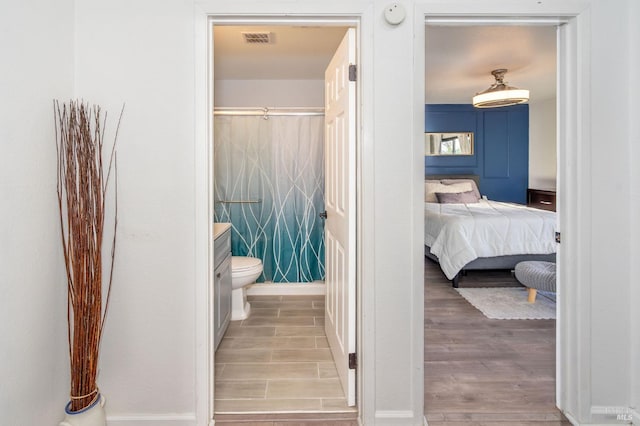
(464, 231)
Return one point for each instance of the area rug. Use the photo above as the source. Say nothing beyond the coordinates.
(510, 303)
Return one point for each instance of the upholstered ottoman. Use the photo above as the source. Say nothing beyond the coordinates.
(536, 275)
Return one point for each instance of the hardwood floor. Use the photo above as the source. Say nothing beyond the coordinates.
(480, 371)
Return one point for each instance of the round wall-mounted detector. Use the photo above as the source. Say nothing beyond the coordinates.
(394, 13)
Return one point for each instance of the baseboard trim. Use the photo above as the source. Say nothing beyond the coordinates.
(569, 417)
(394, 418)
(152, 419)
(286, 289)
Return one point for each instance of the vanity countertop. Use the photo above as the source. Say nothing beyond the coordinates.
(219, 228)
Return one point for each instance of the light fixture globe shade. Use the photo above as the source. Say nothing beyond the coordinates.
(500, 98)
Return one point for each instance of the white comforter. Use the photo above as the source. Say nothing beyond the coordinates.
(460, 233)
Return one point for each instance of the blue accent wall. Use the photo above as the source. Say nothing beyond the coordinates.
(500, 152)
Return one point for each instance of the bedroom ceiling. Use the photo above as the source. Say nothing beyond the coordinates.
(459, 58)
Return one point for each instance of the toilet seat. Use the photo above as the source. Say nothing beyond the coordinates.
(244, 263)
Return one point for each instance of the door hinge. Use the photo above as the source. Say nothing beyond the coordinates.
(352, 72)
(353, 361)
(558, 237)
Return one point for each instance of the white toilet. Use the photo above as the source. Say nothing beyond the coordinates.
(244, 271)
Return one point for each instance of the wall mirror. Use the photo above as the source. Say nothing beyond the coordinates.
(448, 143)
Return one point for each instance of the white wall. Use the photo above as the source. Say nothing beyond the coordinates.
(269, 93)
(394, 248)
(542, 144)
(610, 172)
(37, 66)
(634, 231)
(142, 53)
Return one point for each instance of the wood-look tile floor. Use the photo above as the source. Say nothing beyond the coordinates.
(477, 371)
(278, 361)
(480, 371)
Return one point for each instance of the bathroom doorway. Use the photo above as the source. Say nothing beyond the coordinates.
(269, 183)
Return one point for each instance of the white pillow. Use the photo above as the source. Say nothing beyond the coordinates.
(428, 187)
(431, 187)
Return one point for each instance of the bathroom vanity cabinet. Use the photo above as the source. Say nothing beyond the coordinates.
(221, 280)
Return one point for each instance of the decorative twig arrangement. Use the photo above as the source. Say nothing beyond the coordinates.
(82, 187)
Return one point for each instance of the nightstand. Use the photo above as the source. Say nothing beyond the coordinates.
(544, 199)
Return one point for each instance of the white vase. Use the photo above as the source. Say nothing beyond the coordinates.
(93, 415)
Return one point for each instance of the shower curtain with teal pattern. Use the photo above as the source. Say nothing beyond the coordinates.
(269, 184)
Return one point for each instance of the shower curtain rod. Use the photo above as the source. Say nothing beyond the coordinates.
(266, 112)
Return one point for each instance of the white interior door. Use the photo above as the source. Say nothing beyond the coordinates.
(340, 175)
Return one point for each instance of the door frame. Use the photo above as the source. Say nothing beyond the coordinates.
(574, 323)
(205, 352)
(573, 326)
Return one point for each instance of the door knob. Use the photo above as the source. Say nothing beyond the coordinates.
(323, 214)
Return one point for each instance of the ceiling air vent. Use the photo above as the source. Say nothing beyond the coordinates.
(257, 38)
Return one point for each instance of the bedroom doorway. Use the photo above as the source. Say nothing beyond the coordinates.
(472, 362)
(309, 370)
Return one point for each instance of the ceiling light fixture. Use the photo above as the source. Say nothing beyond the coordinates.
(500, 94)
